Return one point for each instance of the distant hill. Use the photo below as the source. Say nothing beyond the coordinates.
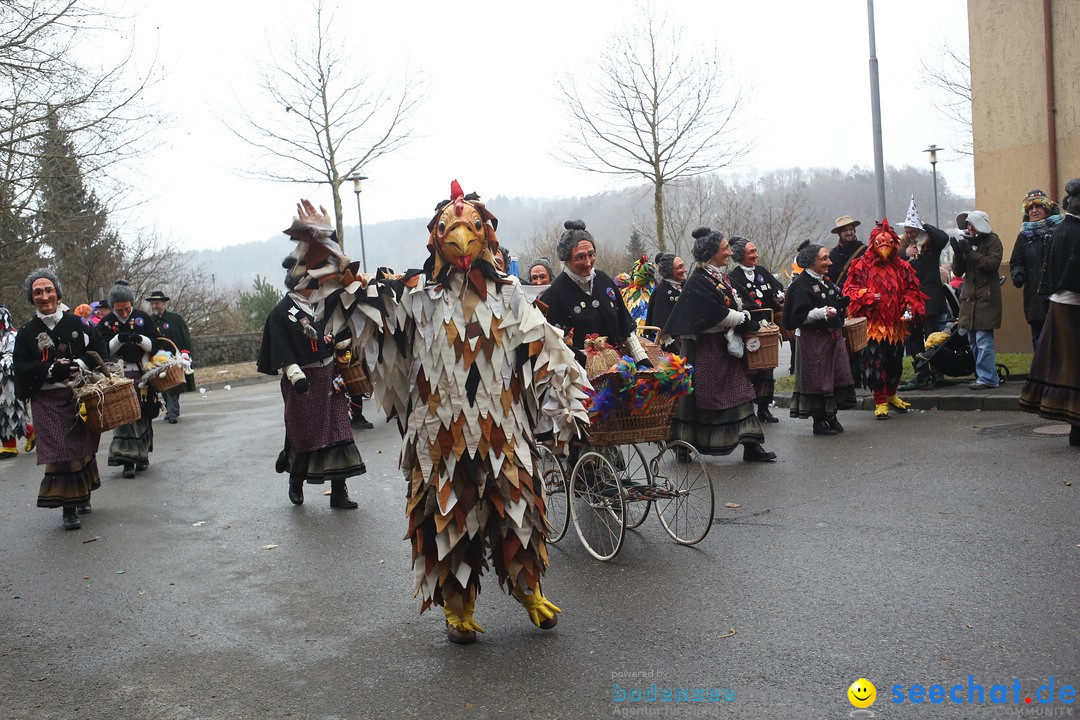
(529, 227)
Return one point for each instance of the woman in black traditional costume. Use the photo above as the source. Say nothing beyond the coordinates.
(584, 301)
(319, 442)
(131, 336)
(672, 271)
(719, 415)
(49, 351)
(1053, 386)
(758, 290)
(815, 309)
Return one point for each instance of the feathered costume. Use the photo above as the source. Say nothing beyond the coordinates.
(884, 290)
(14, 418)
(636, 294)
(469, 368)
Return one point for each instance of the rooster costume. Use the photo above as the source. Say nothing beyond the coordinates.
(14, 415)
(884, 290)
(469, 368)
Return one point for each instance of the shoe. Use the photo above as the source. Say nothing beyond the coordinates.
(765, 416)
(977, 385)
(8, 453)
(129, 471)
(71, 519)
(822, 427)
(85, 509)
(753, 452)
(296, 492)
(339, 496)
(172, 421)
(1074, 436)
(459, 637)
(141, 466)
(461, 629)
(881, 411)
(31, 441)
(900, 405)
(834, 423)
(361, 423)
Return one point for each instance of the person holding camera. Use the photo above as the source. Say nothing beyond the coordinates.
(977, 258)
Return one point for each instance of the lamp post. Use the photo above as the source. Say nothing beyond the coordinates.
(933, 164)
(356, 179)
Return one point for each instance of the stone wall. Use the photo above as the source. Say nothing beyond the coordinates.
(213, 350)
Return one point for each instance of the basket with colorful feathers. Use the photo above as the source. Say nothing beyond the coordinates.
(169, 373)
(631, 405)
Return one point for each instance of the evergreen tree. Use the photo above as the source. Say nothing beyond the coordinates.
(635, 248)
(71, 222)
(255, 306)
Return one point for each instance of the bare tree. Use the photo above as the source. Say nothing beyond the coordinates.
(654, 111)
(330, 120)
(951, 73)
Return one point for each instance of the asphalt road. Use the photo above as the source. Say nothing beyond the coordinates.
(920, 550)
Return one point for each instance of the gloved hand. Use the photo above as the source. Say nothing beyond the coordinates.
(842, 303)
(61, 370)
(133, 339)
(300, 385)
(961, 246)
(1018, 278)
(124, 337)
(644, 364)
(749, 325)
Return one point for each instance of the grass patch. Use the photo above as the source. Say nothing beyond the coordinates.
(1018, 364)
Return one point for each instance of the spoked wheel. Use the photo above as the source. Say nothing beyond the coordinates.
(633, 471)
(924, 379)
(597, 506)
(556, 497)
(683, 494)
(1002, 372)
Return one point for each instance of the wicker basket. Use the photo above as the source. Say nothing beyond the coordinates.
(763, 346)
(620, 427)
(855, 333)
(169, 375)
(356, 380)
(109, 407)
(600, 356)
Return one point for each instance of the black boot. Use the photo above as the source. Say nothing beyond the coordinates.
(822, 426)
(754, 452)
(763, 413)
(85, 508)
(834, 423)
(71, 519)
(129, 470)
(1074, 436)
(296, 491)
(360, 422)
(339, 495)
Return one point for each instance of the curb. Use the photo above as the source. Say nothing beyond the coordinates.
(966, 400)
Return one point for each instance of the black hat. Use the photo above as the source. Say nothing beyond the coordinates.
(156, 295)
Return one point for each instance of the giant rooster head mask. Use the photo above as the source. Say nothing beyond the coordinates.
(884, 241)
(462, 233)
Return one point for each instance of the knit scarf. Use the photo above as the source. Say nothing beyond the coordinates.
(1041, 229)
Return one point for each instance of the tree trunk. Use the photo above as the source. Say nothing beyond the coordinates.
(658, 207)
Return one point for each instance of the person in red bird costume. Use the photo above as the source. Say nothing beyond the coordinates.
(885, 290)
(473, 373)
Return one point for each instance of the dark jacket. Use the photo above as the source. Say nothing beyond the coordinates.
(661, 302)
(138, 322)
(172, 326)
(1026, 269)
(601, 313)
(1063, 264)
(706, 299)
(285, 342)
(980, 298)
(72, 339)
(806, 293)
(759, 294)
(842, 256)
(928, 269)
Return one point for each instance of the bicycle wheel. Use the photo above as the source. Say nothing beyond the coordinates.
(556, 498)
(597, 506)
(683, 494)
(633, 471)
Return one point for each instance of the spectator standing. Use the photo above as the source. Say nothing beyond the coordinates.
(977, 258)
(541, 272)
(172, 326)
(1041, 217)
(924, 244)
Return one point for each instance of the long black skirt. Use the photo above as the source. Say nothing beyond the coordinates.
(1052, 389)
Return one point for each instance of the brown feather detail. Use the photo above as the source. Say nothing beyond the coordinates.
(507, 397)
(498, 439)
(515, 489)
(347, 278)
(510, 546)
(525, 480)
(411, 282)
(497, 331)
(479, 283)
(515, 387)
(441, 521)
(446, 443)
(459, 517)
(469, 301)
(433, 402)
(535, 347)
(496, 499)
(486, 422)
(423, 387)
(469, 352)
(451, 333)
(460, 445)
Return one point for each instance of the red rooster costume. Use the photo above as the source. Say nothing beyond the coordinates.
(885, 290)
(472, 372)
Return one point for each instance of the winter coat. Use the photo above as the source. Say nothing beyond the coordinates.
(980, 298)
(1026, 267)
(1063, 261)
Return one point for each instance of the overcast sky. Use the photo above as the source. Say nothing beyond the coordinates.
(493, 117)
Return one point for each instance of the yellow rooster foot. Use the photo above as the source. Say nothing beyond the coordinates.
(461, 629)
(900, 405)
(881, 411)
(541, 611)
(31, 441)
(7, 452)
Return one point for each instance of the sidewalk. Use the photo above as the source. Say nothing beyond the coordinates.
(951, 395)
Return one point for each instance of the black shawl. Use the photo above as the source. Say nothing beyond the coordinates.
(601, 313)
(138, 322)
(806, 293)
(661, 303)
(706, 299)
(72, 338)
(284, 341)
(761, 293)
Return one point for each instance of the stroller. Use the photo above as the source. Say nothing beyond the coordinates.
(948, 354)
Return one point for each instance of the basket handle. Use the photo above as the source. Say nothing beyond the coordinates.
(763, 310)
(176, 350)
(99, 362)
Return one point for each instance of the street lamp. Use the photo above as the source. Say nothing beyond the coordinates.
(933, 164)
(356, 179)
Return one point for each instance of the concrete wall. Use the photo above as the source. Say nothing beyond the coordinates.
(212, 350)
(1009, 120)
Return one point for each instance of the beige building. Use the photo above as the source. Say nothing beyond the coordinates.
(1025, 115)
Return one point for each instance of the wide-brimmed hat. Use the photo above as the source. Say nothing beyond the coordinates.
(156, 295)
(843, 221)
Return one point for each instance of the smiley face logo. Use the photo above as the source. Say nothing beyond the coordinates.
(862, 693)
